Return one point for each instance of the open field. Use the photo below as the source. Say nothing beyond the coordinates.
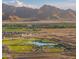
(39, 41)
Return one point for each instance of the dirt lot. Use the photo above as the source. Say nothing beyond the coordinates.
(66, 34)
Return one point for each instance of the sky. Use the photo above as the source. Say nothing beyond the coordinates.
(63, 4)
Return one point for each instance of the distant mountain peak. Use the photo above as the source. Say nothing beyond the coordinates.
(46, 12)
(47, 6)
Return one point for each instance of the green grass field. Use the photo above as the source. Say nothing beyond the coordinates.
(25, 46)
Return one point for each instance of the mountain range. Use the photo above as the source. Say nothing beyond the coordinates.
(46, 12)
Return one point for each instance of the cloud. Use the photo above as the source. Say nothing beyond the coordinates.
(65, 5)
(18, 3)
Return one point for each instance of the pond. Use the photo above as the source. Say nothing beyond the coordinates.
(43, 44)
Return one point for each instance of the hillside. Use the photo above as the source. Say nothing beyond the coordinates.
(46, 12)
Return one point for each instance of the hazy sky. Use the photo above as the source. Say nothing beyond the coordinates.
(64, 4)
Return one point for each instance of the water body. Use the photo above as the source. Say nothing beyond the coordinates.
(43, 44)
